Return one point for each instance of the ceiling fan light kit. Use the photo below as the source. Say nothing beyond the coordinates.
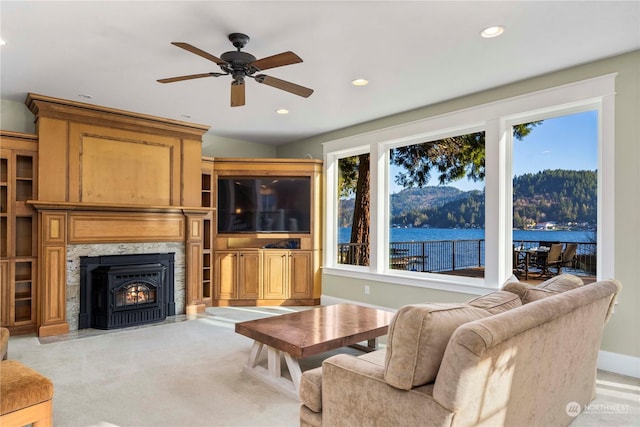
(240, 65)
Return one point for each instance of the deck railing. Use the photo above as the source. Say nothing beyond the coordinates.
(450, 255)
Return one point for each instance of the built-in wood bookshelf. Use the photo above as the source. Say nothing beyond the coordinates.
(207, 230)
(18, 231)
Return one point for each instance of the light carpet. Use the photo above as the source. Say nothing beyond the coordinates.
(180, 373)
(188, 372)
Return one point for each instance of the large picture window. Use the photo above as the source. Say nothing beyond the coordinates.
(555, 193)
(436, 206)
(445, 193)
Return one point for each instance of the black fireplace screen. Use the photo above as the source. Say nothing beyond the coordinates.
(135, 294)
(124, 290)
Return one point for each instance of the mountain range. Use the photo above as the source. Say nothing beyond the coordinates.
(566, 197)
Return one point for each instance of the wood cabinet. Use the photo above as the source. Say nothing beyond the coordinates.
(249, 275)
(18, 232)
(253, 267)
(287, 274)
(238, 275)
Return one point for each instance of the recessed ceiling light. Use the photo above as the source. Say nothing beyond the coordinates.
(84, 95)
(491, 32)
(185, 116)
(282, 111)
(2, 42)
(360, 82)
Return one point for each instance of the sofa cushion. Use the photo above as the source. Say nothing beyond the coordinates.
(555, 285)
(311, 389)
(497, 302)
(311, 381)
(418, 336)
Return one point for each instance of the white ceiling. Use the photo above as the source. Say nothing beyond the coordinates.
(413, 53)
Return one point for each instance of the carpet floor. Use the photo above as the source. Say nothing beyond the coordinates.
(188, 372)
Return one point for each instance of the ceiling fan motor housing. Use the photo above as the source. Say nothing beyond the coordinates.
(238, 64)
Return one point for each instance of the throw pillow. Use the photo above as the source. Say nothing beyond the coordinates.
(562, 283)
(496, 302)
(527, 292)
(418, 336)
(555, 285)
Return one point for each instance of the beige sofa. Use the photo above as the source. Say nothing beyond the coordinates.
(520, 356)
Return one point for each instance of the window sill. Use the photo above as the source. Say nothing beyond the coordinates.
(466, 285)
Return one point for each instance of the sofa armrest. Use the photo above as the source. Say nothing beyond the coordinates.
(354, 392)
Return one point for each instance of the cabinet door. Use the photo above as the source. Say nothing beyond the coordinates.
(249, 275)
(300, 274)
(226, 273)
(275, 274)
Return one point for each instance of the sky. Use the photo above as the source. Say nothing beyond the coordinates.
(565, 142)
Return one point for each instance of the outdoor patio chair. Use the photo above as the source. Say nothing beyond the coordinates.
(553, 259)
(569, 254)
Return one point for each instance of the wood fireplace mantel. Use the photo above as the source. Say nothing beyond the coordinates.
(110, 207)
(111, 176)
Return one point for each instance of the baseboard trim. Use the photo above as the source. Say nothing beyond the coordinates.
(329, 300)
(619, 363)
(607, 361)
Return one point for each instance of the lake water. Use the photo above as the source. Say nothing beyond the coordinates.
(429, 234)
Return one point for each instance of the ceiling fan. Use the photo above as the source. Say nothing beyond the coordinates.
(241, 65)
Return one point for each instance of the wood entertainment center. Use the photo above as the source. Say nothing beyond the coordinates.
(94, 175)
(251, 267)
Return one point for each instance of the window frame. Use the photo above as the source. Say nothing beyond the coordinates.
(496, 119)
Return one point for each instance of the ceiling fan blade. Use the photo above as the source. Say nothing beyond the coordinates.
(284, 58)
(293, 88)
(237, 94)
(189, 77)
(199, 52)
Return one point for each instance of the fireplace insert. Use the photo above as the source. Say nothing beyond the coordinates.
(125, 290)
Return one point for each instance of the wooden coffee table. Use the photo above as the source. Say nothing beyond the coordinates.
(307, 333)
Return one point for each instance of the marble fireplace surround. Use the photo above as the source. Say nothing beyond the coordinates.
(74, 252)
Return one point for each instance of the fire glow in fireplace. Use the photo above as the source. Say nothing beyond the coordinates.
(125, 290)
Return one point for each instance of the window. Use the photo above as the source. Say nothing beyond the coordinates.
(496, 122)
(436, 206)
(555, 193)
(353, 210)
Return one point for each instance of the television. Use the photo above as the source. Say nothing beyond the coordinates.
(274, 204)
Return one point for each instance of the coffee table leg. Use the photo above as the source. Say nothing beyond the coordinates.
(294, 370)
(256, 349)
(273, 362)
(273, 373)
(372, 345)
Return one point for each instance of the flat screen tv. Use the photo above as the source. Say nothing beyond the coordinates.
(264, 205)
